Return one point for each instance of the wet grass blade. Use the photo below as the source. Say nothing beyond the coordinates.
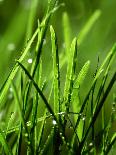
(56, 71)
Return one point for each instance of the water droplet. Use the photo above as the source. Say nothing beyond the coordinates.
(68, 144)
(44, 41)
(60, 133)
(30, 61)
(91, 144)
(29, 123)
(54, 122)
(83, 118)
(10, 90)
(1, 115)
(29, 143)
(11, 47)
(26, 135)
(64, 45)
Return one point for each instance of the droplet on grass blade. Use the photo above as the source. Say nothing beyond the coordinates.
(30, 60)
(11, 47)
(54, 122)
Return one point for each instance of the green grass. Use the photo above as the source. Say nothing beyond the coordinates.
(41, 116)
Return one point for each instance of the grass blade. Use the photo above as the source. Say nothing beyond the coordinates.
(56, 71)
(70, 74)
(85, 30)
(75, 95)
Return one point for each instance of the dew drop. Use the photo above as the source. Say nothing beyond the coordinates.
(68, 144)
(91, 144)
(29, 123)
(64, 45)
(44, 41)
(10, 89)
(1, 115)
(83, 118)
(54, 122)
(30, 61)
(11, 47)
(26, 135)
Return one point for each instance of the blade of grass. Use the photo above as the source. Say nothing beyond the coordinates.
(75, 96)
(56, 71)
(69, 75)
(85, 30)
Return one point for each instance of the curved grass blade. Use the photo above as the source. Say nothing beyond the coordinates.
(56, 71)
(85, 30)
(5, 144)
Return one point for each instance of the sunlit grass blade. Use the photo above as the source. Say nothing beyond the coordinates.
(70, 74)
(56, 71)
(85, 30)
(5, 144)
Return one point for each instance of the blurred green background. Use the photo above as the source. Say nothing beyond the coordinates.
(14, 21)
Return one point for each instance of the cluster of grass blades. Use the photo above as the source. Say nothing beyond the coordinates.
(30, 124)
